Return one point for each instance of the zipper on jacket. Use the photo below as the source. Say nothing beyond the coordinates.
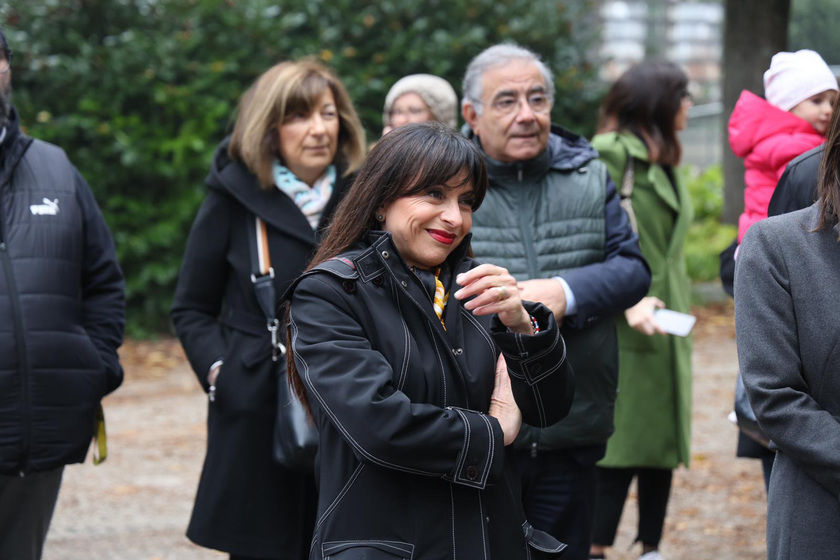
(524, 227)
(23, 363)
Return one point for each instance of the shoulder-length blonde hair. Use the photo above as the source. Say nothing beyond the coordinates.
(285, 89)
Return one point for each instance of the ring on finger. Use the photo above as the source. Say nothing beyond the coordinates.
(501, 293)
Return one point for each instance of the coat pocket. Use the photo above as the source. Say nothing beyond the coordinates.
(541, 545)
(367, 550)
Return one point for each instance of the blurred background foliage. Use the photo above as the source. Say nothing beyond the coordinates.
(139, 92)
(707, 236)
(813, 25)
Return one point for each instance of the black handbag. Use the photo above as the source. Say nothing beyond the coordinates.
(745, 416)
(295, 436)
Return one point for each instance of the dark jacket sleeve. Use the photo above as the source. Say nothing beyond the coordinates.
(797, 189)
(618, 282)
(541, 378)
(103, 286)
(767, 330)
(201, 286)
(351, 385)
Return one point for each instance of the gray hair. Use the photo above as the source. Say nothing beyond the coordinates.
(491, 57)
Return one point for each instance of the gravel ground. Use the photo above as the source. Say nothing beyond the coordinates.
(137, 504)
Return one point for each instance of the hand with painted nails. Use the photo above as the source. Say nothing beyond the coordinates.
(495, 291)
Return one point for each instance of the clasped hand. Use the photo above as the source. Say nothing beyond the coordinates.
(496, 292)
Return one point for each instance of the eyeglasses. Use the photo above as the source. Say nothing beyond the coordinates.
(410, 112)
(6, 63)
(507, 104)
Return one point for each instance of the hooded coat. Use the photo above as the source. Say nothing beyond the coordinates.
(767, 138)
(246, 504)
(558, 214)
(653, 409)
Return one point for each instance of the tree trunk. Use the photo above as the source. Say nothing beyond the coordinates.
(754, 30)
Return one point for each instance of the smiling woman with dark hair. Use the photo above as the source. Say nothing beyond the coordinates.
(396, 339)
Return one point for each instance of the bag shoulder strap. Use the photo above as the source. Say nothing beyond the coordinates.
(262, 277)
(625, 192)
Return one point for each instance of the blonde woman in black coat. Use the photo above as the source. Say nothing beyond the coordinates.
(296, 137)
(396, 334)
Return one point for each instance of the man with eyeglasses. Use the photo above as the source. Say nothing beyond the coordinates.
(61, 322)
(552, 217)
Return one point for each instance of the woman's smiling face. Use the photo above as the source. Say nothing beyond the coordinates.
(428, 226)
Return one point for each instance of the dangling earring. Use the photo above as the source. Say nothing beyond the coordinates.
(380, 218)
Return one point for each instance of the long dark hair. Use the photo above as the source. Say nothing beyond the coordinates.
(645, 101)
(405, 162)
(828, 182)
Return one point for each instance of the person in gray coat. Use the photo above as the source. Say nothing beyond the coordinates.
(787, 320)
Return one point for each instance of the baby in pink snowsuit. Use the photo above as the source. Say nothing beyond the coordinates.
(801, 91)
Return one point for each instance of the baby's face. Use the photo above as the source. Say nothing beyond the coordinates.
(817, 109)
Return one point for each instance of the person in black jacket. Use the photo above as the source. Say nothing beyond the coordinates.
(797, 188)
(396, 334)
(62, 313)
(295, 140)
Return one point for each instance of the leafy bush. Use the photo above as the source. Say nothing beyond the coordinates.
(139, 92)
(707, 237)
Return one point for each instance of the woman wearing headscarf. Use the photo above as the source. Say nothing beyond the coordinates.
(420, 98)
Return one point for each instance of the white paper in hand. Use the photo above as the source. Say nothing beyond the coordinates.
(673, 322)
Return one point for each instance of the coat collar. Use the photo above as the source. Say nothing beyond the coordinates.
(382, 253)
(272, 206)
(656, 175)
(566, 151)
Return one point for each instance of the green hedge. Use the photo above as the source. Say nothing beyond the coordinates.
(139, 92)
(707, 236)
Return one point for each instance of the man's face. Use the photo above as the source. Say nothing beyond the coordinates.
(516, 112)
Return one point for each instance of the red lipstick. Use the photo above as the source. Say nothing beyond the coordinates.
(442, 236)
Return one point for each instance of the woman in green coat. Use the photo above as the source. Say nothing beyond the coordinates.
(637, 140)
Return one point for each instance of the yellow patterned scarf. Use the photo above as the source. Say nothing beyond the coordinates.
(441, 298)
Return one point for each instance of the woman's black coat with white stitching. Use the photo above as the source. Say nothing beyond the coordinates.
(410, 465)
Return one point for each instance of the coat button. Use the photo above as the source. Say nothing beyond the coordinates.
(349, 286)
(404, 284)
(378, 281)
(457, 351)
(385, 254)
(472, 472)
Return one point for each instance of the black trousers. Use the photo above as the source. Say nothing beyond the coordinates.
(558, 494)
(27, 504)
(654, 488)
